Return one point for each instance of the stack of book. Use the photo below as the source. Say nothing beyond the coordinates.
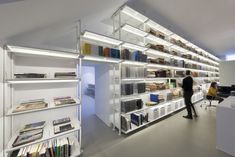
(53, 148)
(65, 75)
(64, 100)
(30, 132)
(62, 125)
(30, 75)
(30, 105)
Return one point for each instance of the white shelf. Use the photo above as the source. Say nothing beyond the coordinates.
(158, 40)
(51, 106)
(149, 107)
(41, 80)
(102, 59)
(179, 68)
(139, 94)
(132, 79)
(143, 19)
(134, 30)
(48, 134)
(159, 78)
(101, 38)
(40, 52)
(133, 46)
(130, 62)
(134, 127)
(158, 53)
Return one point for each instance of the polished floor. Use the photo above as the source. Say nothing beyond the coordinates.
(172, 137)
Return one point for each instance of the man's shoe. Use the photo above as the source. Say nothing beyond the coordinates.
(188, 117)
(195, 115)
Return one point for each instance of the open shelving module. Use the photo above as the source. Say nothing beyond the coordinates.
(131, 31)
(19, 60)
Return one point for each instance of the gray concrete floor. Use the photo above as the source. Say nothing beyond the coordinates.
(172, 137)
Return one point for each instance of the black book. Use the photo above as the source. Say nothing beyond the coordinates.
(61, 121)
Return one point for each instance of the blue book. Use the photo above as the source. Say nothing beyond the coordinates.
(154, 97)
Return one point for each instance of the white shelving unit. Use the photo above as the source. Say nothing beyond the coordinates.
(16, 90)
(130, 25)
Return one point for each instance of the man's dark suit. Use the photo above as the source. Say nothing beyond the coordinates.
(188, 92)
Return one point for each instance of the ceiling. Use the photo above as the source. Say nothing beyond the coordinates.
(209, 24)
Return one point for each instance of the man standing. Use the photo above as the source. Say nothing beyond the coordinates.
(188, 92)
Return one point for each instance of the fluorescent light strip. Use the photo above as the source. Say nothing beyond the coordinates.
(134, 63)
(158, 40)
(177, 37)
(178, 48)
(134, 30)
(97, 37)
(32, 51)
(100, 59)
(134, 47)
(160, 66)
(39, 81)
(158, 27)
(158, 53)
(134, 14)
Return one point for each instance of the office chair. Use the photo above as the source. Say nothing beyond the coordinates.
(205, 100)
(210, 103)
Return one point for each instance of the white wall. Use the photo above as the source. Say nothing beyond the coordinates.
(88, 76)
(227, 73)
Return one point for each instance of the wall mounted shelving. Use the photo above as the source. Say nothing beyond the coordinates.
(19, 60)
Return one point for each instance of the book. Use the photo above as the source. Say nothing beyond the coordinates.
(20, 140)
(30, 105)
(63, 100)
(61, 121)
(63, 128)
(33, 126)
(30, 75)
(65, 75)
(31, 132)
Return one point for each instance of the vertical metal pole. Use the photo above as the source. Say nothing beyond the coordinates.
(119, 82)
(4, 99)
(78, 51)
(114, 96)
(12, 93)
(120, 48)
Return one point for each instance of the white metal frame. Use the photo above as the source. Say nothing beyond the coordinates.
(10, 83)
(117, 29)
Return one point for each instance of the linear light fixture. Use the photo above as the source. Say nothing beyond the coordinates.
(134, 14)
(102, 59)
(41, 81)
(178, 48)
(158, 53)
(41, 52)
(177, 37)
(158, 40)
(134, 30)
(134, 63)
(158, 27)
(101, 38)
(134, 47)
(160, 66)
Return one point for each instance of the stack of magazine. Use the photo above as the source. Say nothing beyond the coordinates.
(52, 148)
(30, 75)
(62, 125)
(29, 133)
(65, 75)
(30, 105)
(64, 100)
